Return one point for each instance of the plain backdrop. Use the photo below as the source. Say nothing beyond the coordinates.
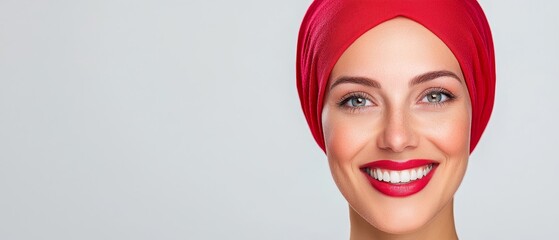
(164, 119)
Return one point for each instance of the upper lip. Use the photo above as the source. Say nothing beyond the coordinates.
(398, 165)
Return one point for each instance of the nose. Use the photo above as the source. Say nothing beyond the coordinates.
(398, 132)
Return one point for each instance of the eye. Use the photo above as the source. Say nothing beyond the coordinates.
(437, 96)
(358, 102)
(355, 100)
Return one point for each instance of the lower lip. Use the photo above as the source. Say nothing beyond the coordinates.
(401, 189)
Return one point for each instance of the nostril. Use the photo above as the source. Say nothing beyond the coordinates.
(397, 137)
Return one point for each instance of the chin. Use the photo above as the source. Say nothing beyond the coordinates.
(403, 219)
(396, 216)
(398, 225)
(400, 215)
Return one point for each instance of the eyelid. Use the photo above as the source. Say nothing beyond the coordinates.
(451, 96)
(347, 97)
(355, 94)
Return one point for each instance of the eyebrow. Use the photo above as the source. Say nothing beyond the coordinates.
(369, 82)
(428, 76)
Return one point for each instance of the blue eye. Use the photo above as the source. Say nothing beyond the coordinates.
(436, 97)
(356, 101)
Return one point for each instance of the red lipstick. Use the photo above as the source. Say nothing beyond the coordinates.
(399, 179)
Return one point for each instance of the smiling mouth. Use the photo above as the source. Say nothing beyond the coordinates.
(399, 177)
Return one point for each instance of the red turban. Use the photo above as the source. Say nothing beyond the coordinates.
(331, 26)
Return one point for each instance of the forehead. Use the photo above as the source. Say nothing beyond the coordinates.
(396, 49)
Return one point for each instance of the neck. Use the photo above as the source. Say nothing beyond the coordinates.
(441, 227)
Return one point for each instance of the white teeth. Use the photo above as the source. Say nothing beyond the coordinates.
(413, 175)
(403, 176)
(394, 177)
(385, 177)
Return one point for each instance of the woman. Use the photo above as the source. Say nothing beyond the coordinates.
(397, 93)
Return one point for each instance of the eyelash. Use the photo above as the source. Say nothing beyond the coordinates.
(450, 97)
(354, 95)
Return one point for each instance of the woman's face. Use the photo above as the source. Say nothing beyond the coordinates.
(396, 122)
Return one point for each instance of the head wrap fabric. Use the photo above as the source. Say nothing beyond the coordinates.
(331, 26)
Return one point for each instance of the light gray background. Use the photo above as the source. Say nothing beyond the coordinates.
(124, 119)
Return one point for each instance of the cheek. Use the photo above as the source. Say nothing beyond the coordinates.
(453, 141)
(449, 138)
(452, 135)
(449, 131)
(345, 136)
(458, 128)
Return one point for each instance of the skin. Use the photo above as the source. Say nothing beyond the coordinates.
(384, 116)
